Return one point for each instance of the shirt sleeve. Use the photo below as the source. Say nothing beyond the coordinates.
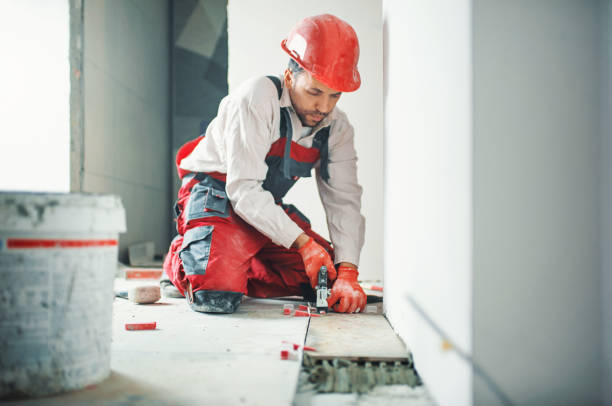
(248, 136)
(341, 196)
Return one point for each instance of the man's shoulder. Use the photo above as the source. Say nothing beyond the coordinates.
(339, 115)
(256, 90)
(339, 120)
(341, 130)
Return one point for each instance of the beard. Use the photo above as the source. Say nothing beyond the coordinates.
(311, 118)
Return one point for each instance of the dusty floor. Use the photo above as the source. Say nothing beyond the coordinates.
(194, 358)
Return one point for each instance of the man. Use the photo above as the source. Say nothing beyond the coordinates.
(235, 235)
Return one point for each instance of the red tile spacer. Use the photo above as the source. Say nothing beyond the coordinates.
(378, 288)
(143, 273)
(299, 313)
(284, 354)
(140, 326)
(303, 307)
(306, 348)
(286, 312)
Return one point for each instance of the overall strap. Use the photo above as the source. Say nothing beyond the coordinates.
(277, 83)
(321, 141)
(286, 129)
(288, 136)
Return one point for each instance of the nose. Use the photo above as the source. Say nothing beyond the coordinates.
(324, 105)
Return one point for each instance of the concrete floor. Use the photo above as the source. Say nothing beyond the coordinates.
(224, 359)
(195, 358)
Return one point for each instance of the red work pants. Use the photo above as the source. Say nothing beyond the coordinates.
(216, 250)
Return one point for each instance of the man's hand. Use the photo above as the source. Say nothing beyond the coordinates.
(346, 294)
(314, 257)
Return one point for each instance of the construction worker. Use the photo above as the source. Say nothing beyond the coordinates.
(235, 235)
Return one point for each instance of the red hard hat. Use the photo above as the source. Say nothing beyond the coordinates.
(327, 47)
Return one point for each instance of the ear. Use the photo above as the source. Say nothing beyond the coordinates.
(288, 77)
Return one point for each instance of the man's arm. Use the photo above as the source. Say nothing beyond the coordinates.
(300, 241)
(248, 135)
(303, 239)
(341, 198)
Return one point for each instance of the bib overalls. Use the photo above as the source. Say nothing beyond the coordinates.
(217, 257)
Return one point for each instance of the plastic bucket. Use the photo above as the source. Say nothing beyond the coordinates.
(58, 256)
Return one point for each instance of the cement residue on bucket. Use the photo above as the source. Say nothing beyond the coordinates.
(57, 261)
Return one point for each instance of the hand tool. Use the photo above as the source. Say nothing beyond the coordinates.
(322, 292)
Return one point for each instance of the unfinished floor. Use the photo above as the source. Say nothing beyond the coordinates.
(194, 358)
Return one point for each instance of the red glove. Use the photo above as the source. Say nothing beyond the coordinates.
(346, 294)
(314, 257)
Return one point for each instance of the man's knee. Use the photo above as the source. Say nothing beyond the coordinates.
(215, 301)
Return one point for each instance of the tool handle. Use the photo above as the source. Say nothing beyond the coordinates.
(323, 276)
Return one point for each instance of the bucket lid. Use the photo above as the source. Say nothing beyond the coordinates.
(63, 212)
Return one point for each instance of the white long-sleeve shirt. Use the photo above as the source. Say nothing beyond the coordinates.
(237, 142)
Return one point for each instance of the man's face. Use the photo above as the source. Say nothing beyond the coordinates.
(311, 99)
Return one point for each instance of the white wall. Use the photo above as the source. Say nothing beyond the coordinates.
(533, 167)
(537, 304)
(428, 186)
(126, 112)
(606, 174)
(34, 100)
(256, 29)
